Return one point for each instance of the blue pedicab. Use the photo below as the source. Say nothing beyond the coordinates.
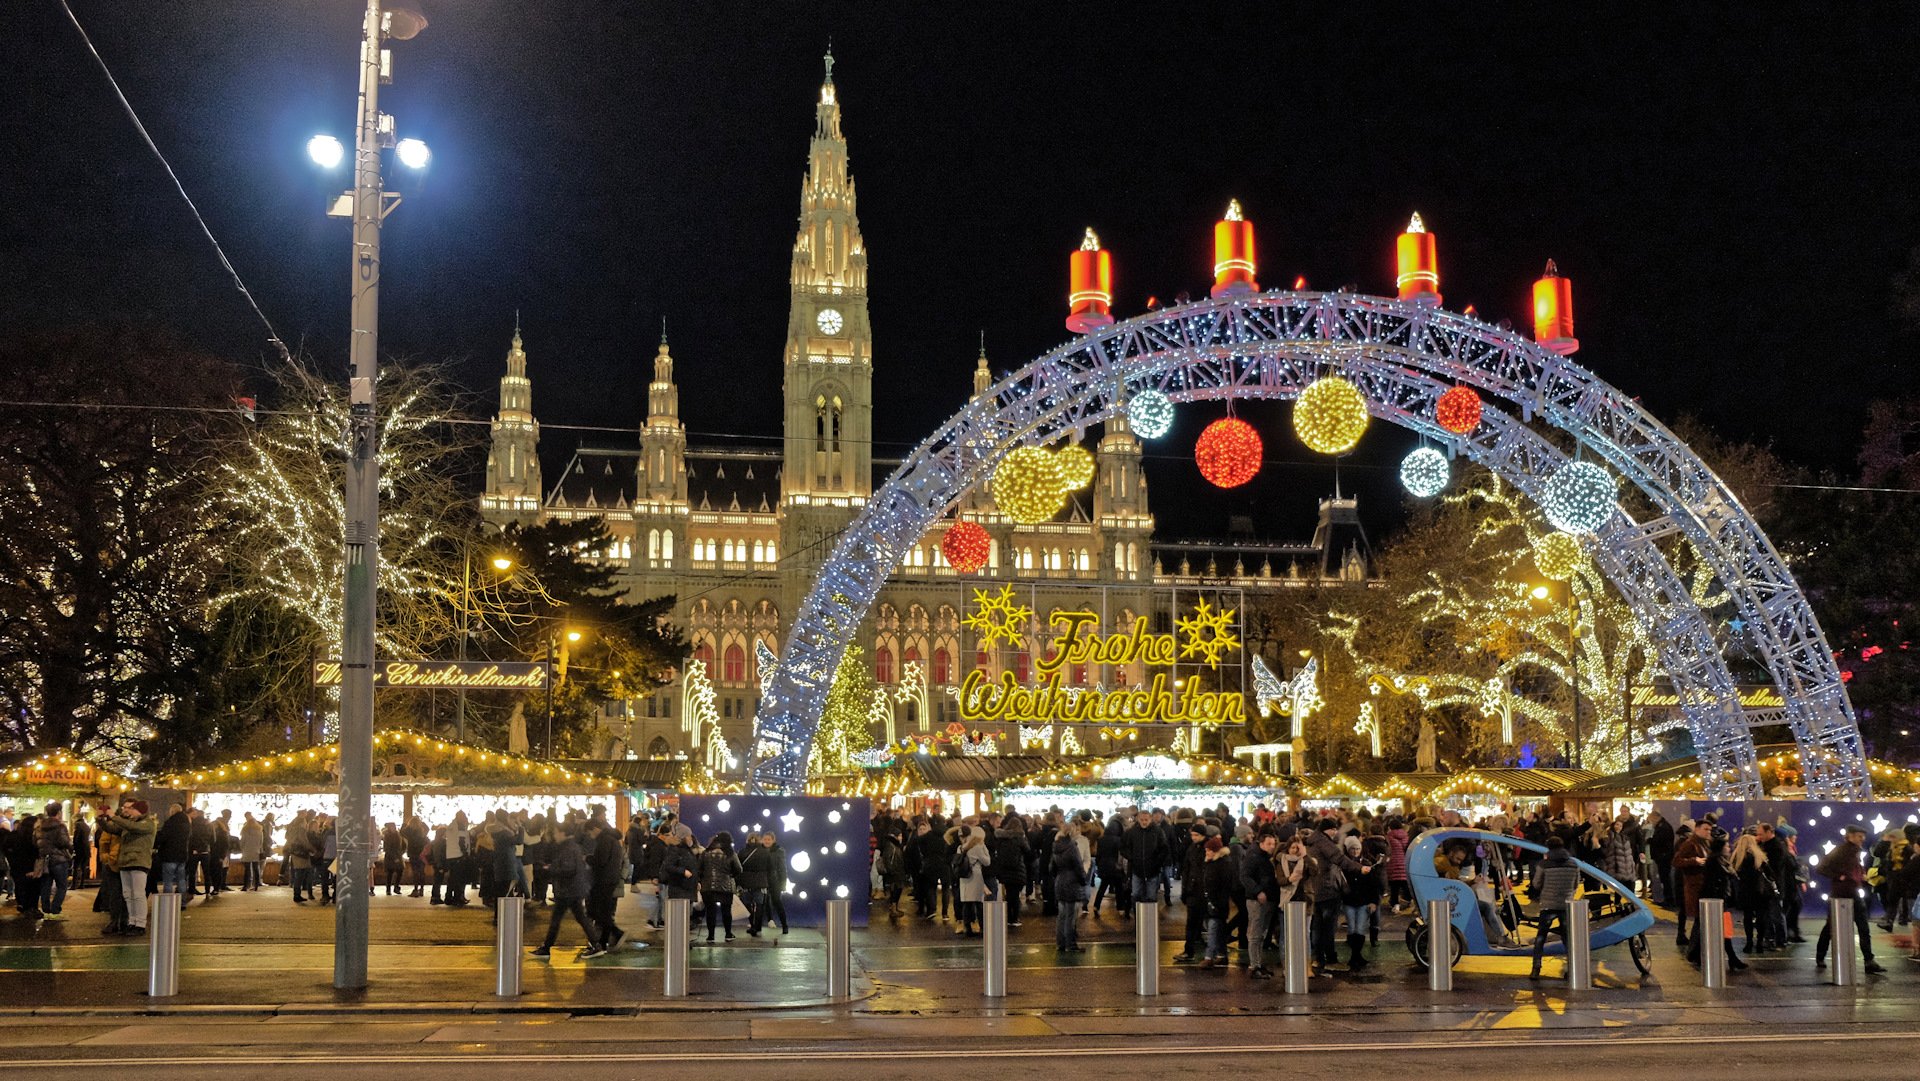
(1617, 914)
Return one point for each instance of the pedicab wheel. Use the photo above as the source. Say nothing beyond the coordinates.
(1420, 944)
(1642, 954)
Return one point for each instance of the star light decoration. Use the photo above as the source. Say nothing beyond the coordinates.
(1150, 414)
(1368, 725)
(1209, 633)
(1425, 473)
(1559, 556)
(966, 546)
(1330, 415)
(996, 618)
(1579, 498)
(1228, 452)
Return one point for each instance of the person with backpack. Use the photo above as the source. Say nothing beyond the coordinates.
(572, 879)
(719, 881)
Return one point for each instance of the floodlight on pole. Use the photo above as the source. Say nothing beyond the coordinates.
(326, 151)
(412, 153)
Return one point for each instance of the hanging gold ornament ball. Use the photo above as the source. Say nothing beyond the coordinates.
(1330, 415)
(1026, 486)
(1075, 466)
(1559, 556)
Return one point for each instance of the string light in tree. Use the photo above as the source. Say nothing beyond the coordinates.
(966, 546)
(1074, 465)
(1331, 415)
(1559, 556)
(1425, 472)
(1579, 498)
(1027, 486)
(1458, 410)
(1150, 413)
(1228, 452)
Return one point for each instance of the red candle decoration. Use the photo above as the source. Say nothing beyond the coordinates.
(1228, 452)
(1458, 410)
(966, 546)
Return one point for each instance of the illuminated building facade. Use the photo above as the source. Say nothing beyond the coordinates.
(738, 535)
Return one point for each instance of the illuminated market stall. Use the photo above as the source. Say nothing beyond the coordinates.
(30, 783)
(1147, 779)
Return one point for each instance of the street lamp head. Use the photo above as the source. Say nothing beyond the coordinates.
(326, 151)
(502, 563)
(412, 153)
(1541, 593)
(573, 636)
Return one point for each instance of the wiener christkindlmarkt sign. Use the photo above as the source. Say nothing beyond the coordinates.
(445, 675)
(1206, 637)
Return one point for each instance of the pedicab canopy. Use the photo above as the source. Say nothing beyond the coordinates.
(413, 773)
(59, 775)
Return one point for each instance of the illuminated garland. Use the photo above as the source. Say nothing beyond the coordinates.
(1425, 472)
(1330, 415)
(54, 762)
(1150, 414)
(310, 766)
(1228, 452)
(1203, 771)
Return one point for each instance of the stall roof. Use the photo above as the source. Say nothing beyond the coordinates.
(403, 760)
(1779, 766)
(663, 775)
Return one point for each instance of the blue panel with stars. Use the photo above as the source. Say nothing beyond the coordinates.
(824, 839)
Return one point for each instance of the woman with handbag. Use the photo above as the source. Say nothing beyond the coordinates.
(1717, 879)
(1758, 891)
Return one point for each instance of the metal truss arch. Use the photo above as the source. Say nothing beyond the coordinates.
(1402, 356)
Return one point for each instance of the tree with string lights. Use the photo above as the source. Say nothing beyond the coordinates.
(846, 726)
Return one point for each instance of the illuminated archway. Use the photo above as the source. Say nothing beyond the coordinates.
(1402, 356)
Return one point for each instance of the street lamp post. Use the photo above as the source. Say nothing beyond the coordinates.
(362, 504)
(553, 633)
(503, 565)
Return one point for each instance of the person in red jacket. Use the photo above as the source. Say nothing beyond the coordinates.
(1689, 871)
(1843, 869)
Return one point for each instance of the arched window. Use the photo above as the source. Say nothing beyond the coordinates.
(759, 551)
(653, 546)
(734, 664)
(658, 749)
(666, 545)
(883, 665)
(980, 663)
(773, 556)
(703, 652)
(942, 665)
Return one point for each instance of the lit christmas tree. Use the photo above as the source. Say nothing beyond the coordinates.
(845, 729)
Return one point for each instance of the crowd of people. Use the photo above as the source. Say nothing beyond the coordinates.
(1233, 877)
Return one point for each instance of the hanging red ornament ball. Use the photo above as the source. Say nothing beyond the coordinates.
(1228, 452)
(966, 546)
(1458, 410)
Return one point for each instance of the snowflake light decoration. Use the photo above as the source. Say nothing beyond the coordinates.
(1579, 498)
(1150, 413)
(1425, 472)
(1330, 415)
(996, 618)
(1209, 633)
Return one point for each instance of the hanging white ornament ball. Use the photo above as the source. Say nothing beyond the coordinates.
(1150, 413)
(1425, 472)
(1579, 498)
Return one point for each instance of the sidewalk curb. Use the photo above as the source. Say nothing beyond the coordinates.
(691, 1004)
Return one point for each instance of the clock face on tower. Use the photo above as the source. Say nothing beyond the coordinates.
(829, 321)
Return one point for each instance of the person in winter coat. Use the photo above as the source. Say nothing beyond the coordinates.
(719, 880)
(1555, 887)
(1217, 880)
(755, 874)
(1717, 880)
(1660, 845)
(775, 904)
(418, 839)
(108, 898)
(172, 847)
(572, 879)
(1193, 894)
(1618, 855)
(393, 857)
(892, 856)
(1010, 864)
(53, 846)
(253, 852)
(135, 829)
(1399, 887)
(926, 855)
(82, 851)
(1757, 891)
(1361, 897)
(1144, 847)
(1262, 893)
(1069, 886)
(1689, 870)
(679, 869)
(607, 864)
(1335, 867)
(973, 864)
(1106, 864)
(1847, 878)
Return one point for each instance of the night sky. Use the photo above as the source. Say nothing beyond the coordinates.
(1729, 188)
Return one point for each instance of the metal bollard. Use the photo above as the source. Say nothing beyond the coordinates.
(839, 948)
(1840, 921)
(1146, 947)
(163, 945)
(993, 941)
(1294, 939)
(1710, 932)
(1579, 949)
(509, 934)
(1439, 945)
(679, 945)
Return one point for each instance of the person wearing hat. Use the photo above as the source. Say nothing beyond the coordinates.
(1217, 874)
(1847, 878)
(135, 828)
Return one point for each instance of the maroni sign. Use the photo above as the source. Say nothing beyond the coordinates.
(445, 675)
